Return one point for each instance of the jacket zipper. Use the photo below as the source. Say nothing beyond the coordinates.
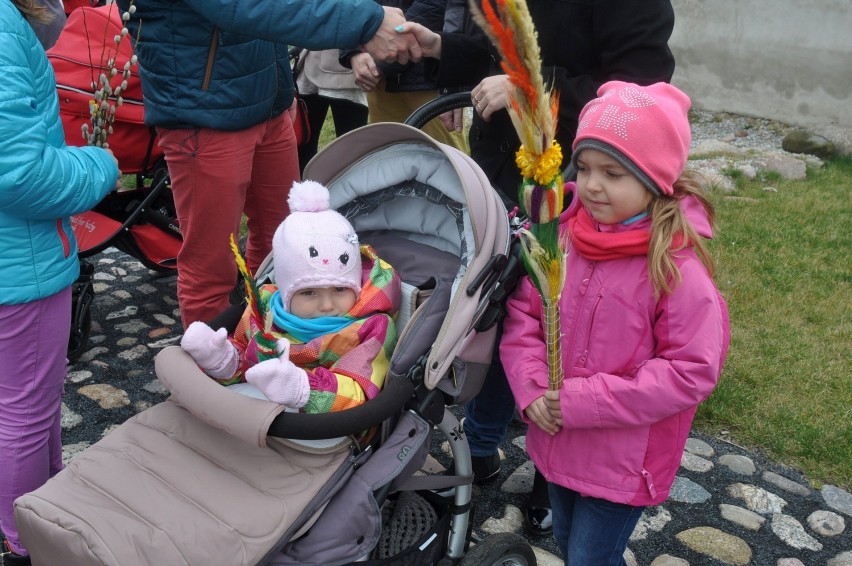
(211, 56)
(582, 360)
(63, 237)
(588, 276)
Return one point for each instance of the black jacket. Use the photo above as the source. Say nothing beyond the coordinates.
(584, 43)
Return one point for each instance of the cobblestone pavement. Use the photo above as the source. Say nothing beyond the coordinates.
(728, 506)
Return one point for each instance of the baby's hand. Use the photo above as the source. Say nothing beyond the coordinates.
(211, 350)
(280, 379)
(539, 413)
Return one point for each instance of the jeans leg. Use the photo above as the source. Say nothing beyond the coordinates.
(487, 415)
(33, 344)
(590, 530)
(275, 167)
(210, 172)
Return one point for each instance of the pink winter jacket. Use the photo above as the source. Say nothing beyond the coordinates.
(635, 369)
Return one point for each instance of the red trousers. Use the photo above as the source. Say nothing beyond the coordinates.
(216, 177)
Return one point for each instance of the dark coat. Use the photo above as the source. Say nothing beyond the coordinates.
(584, 43)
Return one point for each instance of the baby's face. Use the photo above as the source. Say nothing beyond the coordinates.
(314, 302)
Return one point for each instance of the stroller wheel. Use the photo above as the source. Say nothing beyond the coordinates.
(79, 338)
(83, 294)
(501, 549)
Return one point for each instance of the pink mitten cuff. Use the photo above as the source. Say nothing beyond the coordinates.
(211, 350)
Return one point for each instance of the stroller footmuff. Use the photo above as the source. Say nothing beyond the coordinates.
(180, 485)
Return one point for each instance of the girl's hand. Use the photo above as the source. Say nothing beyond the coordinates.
(491, 95)
(539, 413)
(551, 401)
(367, 74)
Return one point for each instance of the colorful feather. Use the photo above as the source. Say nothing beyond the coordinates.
(252, 295)
(533, 109)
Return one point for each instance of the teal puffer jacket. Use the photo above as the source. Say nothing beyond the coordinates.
(223, 64)
(42, 180)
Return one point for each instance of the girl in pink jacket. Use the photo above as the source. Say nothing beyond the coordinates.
(644, 328)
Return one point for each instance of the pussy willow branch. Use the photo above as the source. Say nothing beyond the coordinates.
(107, 98)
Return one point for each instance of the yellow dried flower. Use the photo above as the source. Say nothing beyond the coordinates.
(541, 168)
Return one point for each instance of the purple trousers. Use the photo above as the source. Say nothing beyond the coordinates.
(33, 345)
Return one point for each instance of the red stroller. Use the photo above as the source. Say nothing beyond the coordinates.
(141, 220)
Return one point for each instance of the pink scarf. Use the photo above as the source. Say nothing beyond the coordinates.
(598, 246)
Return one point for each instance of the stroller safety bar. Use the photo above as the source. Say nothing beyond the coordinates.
(253, 419)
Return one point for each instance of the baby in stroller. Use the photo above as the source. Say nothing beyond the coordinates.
(322, 338)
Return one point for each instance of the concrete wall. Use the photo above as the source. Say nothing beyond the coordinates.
(787, 60)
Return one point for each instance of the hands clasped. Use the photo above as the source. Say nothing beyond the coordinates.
(399, 41)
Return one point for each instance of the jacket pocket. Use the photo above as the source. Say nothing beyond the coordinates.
(211, 58)
(64, 238)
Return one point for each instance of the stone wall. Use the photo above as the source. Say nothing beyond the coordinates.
(787, 60)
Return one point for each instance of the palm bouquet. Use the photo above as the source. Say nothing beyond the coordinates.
(533, 108)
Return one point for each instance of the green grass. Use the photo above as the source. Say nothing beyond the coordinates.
(784, 267)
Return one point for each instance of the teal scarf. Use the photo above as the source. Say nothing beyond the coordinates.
(305, 329)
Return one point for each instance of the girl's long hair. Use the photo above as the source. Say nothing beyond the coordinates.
(33, 11)
(667, 221)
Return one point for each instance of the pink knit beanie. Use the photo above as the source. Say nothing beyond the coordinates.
(645, 128)
(314, 246)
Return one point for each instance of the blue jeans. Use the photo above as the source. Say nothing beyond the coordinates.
(487, 415)
(589, 530)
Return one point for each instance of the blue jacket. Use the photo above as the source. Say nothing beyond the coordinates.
(42, 180)
(223, 64)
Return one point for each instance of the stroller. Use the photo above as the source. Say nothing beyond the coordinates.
(214, 477)
(140, 221)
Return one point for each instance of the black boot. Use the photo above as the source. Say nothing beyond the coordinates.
(12, 558)
(538, 515)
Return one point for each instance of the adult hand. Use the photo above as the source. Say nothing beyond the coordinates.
(367, 74)
(538, 412)
(389, 45)
(453, 120)
(429, 41)
(491, 95)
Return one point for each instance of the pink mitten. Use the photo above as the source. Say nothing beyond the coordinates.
(280, 379)
(211, 350)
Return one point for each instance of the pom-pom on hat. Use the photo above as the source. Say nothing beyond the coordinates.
(314, 246)
(645, 128)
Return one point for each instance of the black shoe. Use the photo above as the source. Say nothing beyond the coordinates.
(485, 468)
(538, 515)
(538, 521)
(12, 558)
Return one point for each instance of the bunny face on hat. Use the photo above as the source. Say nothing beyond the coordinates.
(314, 246)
